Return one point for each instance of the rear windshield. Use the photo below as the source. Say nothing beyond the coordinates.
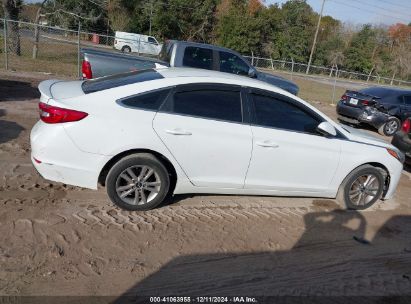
(118, 80)
(166, 50)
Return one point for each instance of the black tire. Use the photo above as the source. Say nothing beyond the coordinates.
(343, 196)
(126, 49)
(390, 127)
(136, 162)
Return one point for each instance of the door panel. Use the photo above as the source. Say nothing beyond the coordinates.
(291, 161)
(202, 127)
(288, 152)
(212, 153)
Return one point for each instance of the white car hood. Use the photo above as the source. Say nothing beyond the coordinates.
(365, 137)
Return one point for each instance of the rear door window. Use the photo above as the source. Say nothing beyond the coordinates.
(210, 103)
(197, 57)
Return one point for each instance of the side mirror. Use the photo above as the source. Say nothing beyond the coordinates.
(327, 129)
(252, 73)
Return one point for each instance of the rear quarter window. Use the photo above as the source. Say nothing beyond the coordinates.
(146, 101)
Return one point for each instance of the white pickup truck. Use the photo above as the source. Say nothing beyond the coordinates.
(137, 43)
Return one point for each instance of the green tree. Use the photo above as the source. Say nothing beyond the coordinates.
(297, 29)
(358, 56)
(241, 29)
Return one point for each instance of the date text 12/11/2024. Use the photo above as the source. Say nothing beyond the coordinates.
(203, 300)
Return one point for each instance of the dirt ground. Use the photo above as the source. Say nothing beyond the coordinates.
(61, 240)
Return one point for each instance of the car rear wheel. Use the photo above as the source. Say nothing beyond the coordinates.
(126, 49)
(361, 188)
(138, 182)
(390, 127)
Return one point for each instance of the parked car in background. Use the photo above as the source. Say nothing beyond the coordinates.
(151, 133)
(402, 139)
(380, 107)
(183, 54)
(136, 43)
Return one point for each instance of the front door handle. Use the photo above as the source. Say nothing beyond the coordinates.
(178, 132)
(267, 144)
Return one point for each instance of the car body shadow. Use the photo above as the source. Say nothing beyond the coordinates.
(11, 90)
(332, 258)
(9, 130)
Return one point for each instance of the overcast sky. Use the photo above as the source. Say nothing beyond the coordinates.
(357, 11)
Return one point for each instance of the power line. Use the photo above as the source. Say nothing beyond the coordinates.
(395, 4)
(363, 9)
(385, 9)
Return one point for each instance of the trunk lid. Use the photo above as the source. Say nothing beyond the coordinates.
(59, 89)
(358, 99)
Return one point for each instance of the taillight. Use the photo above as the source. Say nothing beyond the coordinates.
(406, 126)
(86, 69)
(52, 115)
(365, 102)
(344, 97)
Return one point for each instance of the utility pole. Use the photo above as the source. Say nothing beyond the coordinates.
(151, 14)
(315, 38)
(79, 49)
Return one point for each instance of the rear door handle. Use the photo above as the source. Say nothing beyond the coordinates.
(178, 132)
(267, 144)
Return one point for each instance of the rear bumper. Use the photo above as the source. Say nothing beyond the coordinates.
(402, 141)
(60, 160)
(355, 115)
(66, 175)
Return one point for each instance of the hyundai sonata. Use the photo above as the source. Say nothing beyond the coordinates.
(148, 134)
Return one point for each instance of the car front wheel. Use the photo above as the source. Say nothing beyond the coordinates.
(138, 182)
(361, 188)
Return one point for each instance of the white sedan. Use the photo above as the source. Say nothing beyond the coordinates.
(149, 134)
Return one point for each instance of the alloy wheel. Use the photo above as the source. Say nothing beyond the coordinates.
(364, 189)
(138, 185)
(391, 127)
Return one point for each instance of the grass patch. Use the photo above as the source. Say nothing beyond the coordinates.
(313, 91)
(55, 58)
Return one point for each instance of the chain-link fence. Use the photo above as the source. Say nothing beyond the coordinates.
(293, 68)
(39, 48)
(322, 84)
(35, 48)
